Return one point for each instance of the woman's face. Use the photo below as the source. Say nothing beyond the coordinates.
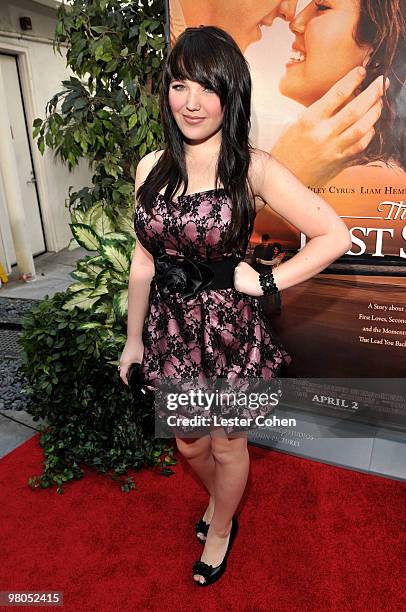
(189, 99)
(324, 49)
(240, 18)
(243, 18)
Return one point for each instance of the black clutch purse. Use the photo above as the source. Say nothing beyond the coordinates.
(137, 385)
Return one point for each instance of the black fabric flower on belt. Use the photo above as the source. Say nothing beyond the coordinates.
(186, 277)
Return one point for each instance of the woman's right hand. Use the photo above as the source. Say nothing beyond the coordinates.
(133, 352)
(333, 131)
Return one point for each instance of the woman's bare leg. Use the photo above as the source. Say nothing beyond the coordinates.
(197, 452)
(232, 467)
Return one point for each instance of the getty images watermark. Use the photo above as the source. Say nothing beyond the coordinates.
(192, 408)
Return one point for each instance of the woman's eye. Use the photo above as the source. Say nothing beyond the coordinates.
(321, 7)
(179, 85)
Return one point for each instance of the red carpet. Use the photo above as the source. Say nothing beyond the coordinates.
(312, 537)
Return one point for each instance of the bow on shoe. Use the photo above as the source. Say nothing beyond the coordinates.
(202, 568)
(185, 277)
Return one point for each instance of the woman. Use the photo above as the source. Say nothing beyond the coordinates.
(334, 36)
(195, 200)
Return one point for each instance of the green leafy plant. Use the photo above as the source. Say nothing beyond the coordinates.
(107, 113)
(102, 280)
(73, 383)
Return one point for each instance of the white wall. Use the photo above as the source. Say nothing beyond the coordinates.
(41, 72)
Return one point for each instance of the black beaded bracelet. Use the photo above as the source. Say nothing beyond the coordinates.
(267, 282)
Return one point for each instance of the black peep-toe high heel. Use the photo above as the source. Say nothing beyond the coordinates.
(212, 574)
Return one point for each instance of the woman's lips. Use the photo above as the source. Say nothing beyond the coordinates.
(296, 57)
(194, 120)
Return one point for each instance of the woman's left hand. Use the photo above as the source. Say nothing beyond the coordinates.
(328, 135)
(246, 279)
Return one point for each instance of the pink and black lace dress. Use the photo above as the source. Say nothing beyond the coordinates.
(217, 332)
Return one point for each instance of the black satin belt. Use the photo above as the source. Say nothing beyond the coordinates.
(175, 274)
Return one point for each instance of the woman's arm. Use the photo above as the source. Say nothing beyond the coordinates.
(272, 262)
(268, 262)
(142, 270)
(141, 273)
(328, 235)
(279, 258)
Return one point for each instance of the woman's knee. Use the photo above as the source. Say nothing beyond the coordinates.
(193, 447)
(226, 449)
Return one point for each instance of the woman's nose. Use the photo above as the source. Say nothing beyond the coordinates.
(298, 24)
(287, 9)
(193, 102)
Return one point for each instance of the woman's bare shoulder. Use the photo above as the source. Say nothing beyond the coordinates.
(258, 161)
(145, 166)
(148, 161)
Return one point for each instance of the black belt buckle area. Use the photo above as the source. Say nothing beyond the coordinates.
(188, 277)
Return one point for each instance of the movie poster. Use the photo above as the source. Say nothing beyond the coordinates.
(350, 320)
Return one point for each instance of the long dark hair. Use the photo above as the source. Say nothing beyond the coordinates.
(382, 25)
(209, 56)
